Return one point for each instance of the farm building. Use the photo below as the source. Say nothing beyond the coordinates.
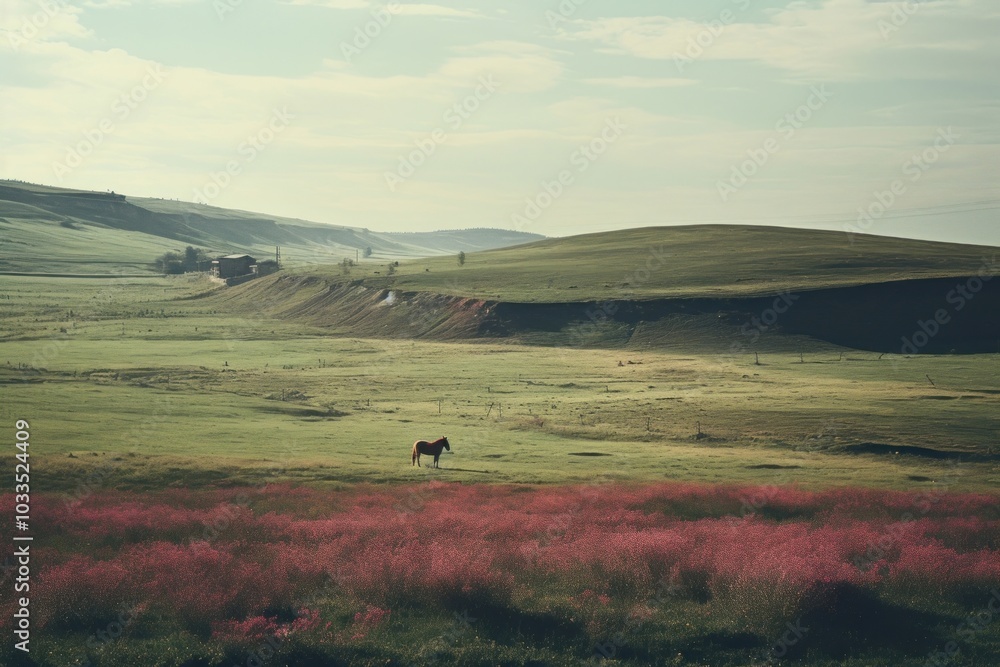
(232, 266)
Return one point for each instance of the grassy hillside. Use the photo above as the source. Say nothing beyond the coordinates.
(54, 230)
(697, 288)
(688, 261)
(32, 242)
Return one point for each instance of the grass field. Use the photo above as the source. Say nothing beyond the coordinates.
(694, 261)
(230, 391)
(158, 414)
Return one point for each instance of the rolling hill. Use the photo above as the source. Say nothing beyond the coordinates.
(716, 286)
(719, 287)
(686, 262)
(73, 231)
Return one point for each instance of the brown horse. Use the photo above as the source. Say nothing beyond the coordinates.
(429, 448)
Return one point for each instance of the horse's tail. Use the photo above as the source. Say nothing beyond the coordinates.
(413, 459)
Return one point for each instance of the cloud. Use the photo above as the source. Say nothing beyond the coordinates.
(639, 82)
(24, 24)
(333, 4)
(396, 8)
(436, 10)
(831, 40)
(518, 66)
(108, 4)
(684, 129)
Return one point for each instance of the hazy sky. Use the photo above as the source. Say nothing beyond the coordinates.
(552, 117)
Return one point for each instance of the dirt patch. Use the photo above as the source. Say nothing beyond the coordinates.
(588, 454)
(771, 466)
(839, 315)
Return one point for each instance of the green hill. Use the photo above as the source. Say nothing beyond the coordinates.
(690, 261)
(710, 287)
(55, 230)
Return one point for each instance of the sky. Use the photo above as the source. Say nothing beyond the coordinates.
(551, 116)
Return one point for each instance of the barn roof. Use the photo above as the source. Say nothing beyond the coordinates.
(236, 257)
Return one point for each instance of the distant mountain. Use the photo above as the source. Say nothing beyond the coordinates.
(48, 229)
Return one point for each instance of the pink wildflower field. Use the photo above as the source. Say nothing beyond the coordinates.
(337, 570)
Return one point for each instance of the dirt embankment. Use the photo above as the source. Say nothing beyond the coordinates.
(352, 308)
(909, 317)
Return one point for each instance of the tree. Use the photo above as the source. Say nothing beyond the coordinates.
(170, 263)
(368, 251)
(190, 258)
(461, 258)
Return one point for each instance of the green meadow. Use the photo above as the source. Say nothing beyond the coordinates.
(179, 392)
